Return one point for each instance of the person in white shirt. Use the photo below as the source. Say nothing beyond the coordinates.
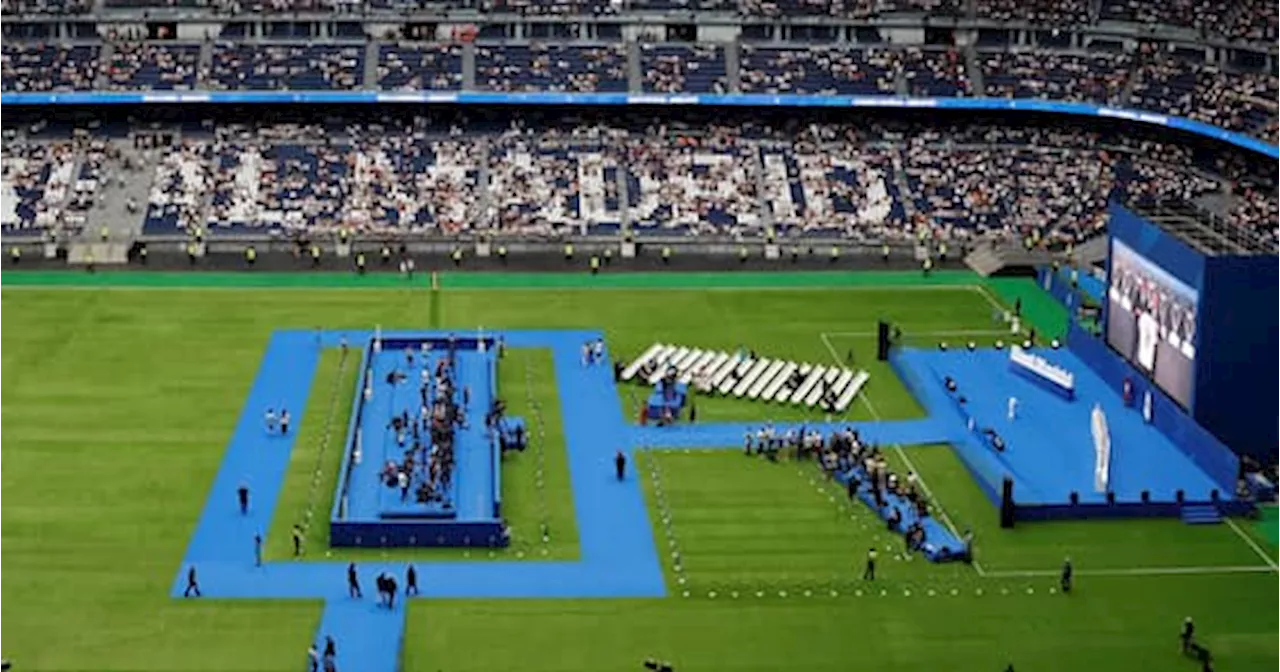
(1013, 408)
(271, 421)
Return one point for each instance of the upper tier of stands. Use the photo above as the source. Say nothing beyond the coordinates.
(1238, 101)
(1251, 20)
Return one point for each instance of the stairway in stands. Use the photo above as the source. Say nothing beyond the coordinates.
(1201, 514)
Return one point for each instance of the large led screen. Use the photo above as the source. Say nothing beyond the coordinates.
(1151, 321)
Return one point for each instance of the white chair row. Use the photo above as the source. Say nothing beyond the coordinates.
(735, 375)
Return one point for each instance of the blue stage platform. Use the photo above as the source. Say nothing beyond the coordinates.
(1049, 450)
(366, 511)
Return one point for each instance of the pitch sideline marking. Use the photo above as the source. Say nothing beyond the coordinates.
(985, 293)
(959, 332)
(1271, 564)
(902, 454)
(426, 283)
(1133, 571)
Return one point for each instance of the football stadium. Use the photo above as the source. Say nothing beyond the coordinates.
(669, 335)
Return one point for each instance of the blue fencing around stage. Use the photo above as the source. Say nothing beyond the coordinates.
(345, 530)
(495, 448)
(339, 510)
(746, 100)
(1201, 447)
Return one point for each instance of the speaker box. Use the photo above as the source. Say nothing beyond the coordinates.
(1006, 503)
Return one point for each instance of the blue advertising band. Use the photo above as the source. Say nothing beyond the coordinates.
(745, 100)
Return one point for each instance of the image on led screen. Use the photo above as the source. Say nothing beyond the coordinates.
(1151, 321)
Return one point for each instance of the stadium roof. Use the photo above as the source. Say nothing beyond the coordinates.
(1205, 232)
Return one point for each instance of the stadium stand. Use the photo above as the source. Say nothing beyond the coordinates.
(934, 73)
(819, 70)
(542, 67)
(1045, 12)
(683, 69)
(531, 174)
(286, 66)
(415, 67)
(651, 175)
(1101, 78)
(152, 66)
(46, 67)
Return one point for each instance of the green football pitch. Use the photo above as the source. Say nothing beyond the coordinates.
(122, 391)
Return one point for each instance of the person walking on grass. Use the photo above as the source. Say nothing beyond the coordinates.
(1067, 573)
(1188, 635)
(869, 573)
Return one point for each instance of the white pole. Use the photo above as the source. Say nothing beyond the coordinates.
(377, 338)
(480, 339)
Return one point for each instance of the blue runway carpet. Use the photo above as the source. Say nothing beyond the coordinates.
(618, 555)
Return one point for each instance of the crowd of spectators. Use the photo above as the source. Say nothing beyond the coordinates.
(848, 9)
(287, 66)
(1181, 13)
(863, 180)
(152, 66)
(683, 69)
(36, 183)
(552, 67)
(548, 185)
(1046, 12)
(818, 70)
(1236, 101)
(936, 73)
(67, 7)
(692, 182)
(47, 67)
(832, 182)
(1099, 78)
(416, 67)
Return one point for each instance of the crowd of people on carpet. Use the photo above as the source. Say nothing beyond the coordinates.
(426, 437)
(862, 467)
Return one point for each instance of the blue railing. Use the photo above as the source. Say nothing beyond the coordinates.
(339, 511)
(746, 100)
(495, 446)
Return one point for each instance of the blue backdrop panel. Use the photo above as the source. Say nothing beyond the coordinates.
(1160, 248)
(1205, 450)
(1236, 385)
(1235, 389)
